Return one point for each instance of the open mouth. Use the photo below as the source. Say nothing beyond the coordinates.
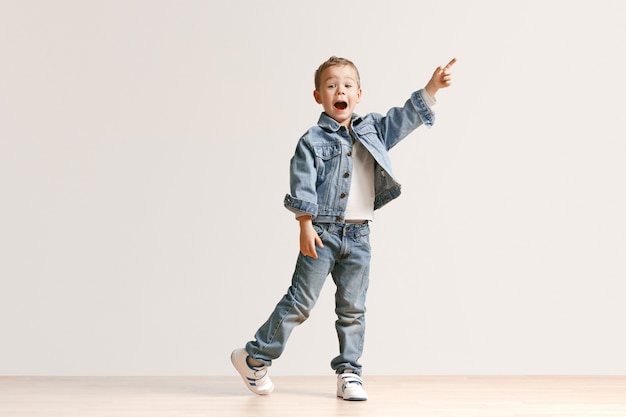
(341, 105)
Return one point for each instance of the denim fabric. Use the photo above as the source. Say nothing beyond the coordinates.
(346, 257)
(321, 167)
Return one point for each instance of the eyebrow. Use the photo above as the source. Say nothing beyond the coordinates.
(335, 78)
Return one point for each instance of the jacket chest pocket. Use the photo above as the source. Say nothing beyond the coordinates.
(365, 130)
(368, 134)
(327, 160)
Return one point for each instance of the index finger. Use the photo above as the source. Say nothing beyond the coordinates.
(452, 61)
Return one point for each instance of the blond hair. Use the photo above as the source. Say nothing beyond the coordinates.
(332, 61)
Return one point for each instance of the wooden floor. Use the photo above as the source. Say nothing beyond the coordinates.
(450, 396)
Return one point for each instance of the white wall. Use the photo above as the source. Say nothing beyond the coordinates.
(144, 150)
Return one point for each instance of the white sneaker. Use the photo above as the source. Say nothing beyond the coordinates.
(256, 378)
(350, 387)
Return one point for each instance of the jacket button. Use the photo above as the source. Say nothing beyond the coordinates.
(346, 175)
(349, 153)
(338, 218)
(342, 195)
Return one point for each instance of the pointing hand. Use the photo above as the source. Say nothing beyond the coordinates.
(442, 78)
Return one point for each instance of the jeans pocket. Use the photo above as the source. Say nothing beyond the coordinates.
(319, 229)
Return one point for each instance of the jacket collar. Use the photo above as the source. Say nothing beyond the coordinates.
(328, 123)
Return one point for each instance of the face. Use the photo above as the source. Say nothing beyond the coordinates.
(339, 92)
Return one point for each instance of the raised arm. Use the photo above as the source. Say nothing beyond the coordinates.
(400, 121)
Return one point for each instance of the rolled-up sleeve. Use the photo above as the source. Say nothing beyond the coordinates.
(302, 179)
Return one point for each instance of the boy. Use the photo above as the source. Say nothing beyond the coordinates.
(340, 173)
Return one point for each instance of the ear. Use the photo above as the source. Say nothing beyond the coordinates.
(318, 99)
(358, 96)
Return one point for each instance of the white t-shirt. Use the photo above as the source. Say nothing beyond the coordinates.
(361, 197)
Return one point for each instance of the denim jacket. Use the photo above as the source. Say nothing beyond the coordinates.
(321, 167)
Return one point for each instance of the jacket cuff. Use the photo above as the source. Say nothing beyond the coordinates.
(420, 100)
(300, 207)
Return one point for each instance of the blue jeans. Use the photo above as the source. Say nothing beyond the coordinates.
(346, 257)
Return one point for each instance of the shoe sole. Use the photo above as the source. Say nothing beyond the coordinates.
(351, 398)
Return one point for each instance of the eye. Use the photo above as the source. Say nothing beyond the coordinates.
(348, 85)
(331, 86)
